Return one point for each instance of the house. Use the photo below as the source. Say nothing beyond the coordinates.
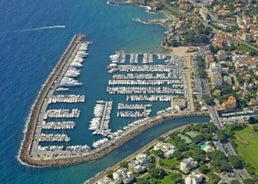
(185, 5)
(215, 74)
(188, 164)
(250, 63)
(179, 103)
(221, 55)
(236, 58)
(140, 163)
(166, 148)
(209, 58)
(229, 104)
(142, 2)
(227, 80)
(193, 178)
(246, 19)
(122, 175)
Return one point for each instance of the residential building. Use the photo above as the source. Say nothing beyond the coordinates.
(188, 164)
(140, 163)
(229, 104)
(193, 178)
(122, 175)
(166, 148)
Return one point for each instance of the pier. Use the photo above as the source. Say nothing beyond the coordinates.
(30, 144)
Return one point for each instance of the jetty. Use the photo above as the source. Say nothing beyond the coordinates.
(72, 56)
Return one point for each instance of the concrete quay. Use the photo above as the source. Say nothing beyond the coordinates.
(40, 104)
(112, 145)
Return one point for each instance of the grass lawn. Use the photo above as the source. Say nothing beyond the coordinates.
(169, 163)
(247, 146)
(170, 178)
(192, 134)
(185, 138)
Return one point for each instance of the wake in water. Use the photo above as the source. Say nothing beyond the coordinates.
(37, 29)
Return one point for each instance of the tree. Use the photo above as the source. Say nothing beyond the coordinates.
(235, 162)
(159, 153)
(142, 181)
(235, 182)
(204, 169)
(249, 181)
(207, 99)
(157, 173)
(124, 164)
(221, 136)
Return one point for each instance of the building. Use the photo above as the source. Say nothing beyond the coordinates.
(122, 175)
(140, 163)
(209, 58)
(188, 164)
(250, 63)
(142, 2)
(227, 80)
(104, 180)
(229, 104)
(204, 14)
(179, 103)
(221, 55)
(193, 178)
(167, 149)
(246, 19)
(215, 74)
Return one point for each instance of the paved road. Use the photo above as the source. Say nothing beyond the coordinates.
(227, 147)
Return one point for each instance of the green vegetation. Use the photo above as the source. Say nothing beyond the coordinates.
(236, 162)
(201, 67)
(199, 36)
(172, 178)
(244, 48)
(213, 178)
(185, 138)
(171, 163)
(246, 141)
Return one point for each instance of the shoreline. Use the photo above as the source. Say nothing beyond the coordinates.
(31, 122)
(94, 179)
(114, 145)
(24, 156)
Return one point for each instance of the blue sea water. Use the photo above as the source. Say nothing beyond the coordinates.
(31, 43)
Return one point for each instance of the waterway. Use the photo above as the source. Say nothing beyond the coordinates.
(33, 35)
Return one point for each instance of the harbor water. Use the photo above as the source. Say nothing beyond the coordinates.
(33, 36)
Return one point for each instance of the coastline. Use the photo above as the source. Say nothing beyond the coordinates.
(146, 147)
(112, 146)
(31, 122)
(24, 152)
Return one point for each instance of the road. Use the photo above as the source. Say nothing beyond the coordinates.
(227, 148)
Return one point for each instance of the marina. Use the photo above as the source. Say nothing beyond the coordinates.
(45, 118)
(100, 123)
(67, 99)
(139, 79)
(57, 125)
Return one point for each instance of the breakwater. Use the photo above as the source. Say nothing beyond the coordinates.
(26, 147)
(103, 151)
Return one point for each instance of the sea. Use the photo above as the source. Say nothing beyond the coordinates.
(33, 36)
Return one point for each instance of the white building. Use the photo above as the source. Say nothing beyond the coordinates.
(193, 178)
(140, 163)
(188, 164)
(122, 175)
(166, 148)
